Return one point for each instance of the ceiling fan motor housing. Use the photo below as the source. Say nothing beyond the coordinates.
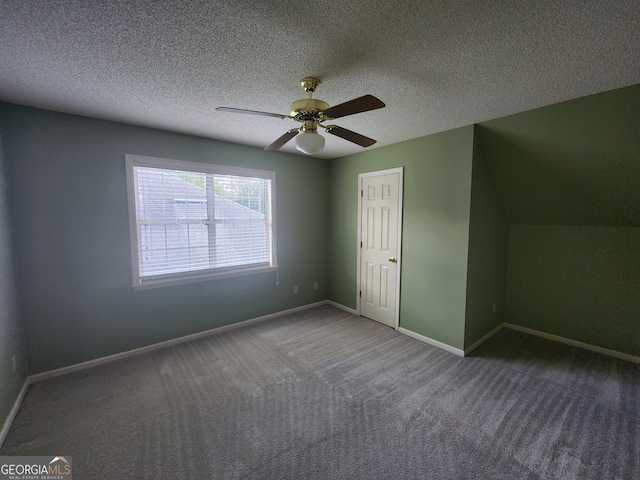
(308, 109)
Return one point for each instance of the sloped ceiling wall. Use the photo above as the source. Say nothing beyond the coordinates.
(573, 163)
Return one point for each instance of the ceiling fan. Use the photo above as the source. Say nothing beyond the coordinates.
(311, 112)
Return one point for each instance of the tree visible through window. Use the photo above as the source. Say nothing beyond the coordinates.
(194, 220)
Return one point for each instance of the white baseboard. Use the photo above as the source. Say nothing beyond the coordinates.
(342, 307)
(168, 343)
(574, 343)
(136, 351)
(14, 411)
(548, 336)
(467, 351)
(456, 351)
(555, 338)
(431, 341)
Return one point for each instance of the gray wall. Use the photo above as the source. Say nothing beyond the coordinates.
(488, 246)
(66, 177)
(578, 282)
(11, 340)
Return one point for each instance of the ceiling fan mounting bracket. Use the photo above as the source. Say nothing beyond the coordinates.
(310, 84)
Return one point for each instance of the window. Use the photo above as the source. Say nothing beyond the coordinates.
(192, 221)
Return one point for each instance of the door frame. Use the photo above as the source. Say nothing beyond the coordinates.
(361, 176)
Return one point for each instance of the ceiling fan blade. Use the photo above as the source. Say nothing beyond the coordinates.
(350, 135)
(283, 139)
(357, 105)
(253, 112)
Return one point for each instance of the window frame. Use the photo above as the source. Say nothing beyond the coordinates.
(192, 276)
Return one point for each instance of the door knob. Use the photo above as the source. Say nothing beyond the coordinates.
(393, 260)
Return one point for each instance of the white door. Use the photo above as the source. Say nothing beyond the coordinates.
(380, 224)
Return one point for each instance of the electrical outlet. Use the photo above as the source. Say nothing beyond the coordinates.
(295, 290)
(494, 307)
(15, 363)
(315, 286)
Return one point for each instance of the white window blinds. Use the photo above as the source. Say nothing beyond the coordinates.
(194, 220)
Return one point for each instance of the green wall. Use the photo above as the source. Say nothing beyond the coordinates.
(572, 163)
(578, 282)
(488, 246)
(11, 339)
(66, 182)
(437, 189)
(568, 176)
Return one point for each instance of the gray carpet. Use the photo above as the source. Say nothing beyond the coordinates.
(323, 394)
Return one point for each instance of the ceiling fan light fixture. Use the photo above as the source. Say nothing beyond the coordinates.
(309, 142)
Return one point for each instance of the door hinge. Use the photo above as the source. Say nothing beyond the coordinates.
(360, 293)
(362, 193)
(360, 244)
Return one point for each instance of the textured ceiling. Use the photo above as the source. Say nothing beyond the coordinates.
(437, 65)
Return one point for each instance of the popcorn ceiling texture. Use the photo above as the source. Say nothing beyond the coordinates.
(437, 65)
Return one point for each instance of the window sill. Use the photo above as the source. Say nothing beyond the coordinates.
(193, 278)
